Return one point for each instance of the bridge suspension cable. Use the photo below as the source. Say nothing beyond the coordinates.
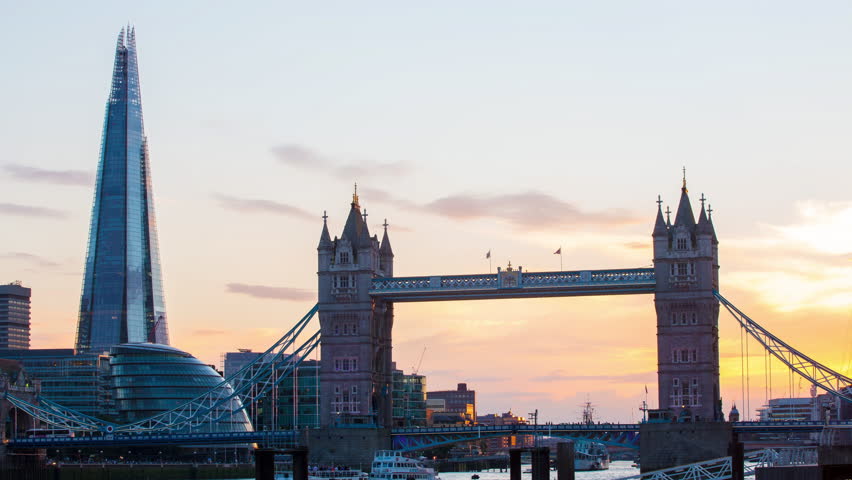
(249, 384)
(816, 373)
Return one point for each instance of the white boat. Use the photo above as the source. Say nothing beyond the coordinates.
(391, 465)
(590, 456)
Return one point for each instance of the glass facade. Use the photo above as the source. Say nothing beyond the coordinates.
(409, 400)
(147, 379)
(122, 298)
(75, 381)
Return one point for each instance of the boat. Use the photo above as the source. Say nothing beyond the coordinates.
(590, 456)
(391, 465)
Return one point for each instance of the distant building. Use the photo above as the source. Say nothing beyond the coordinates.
(734, 416)
(460, 401)
(409, 399)
(503, 443)
(80, 381)
(787, 409)
(14, 316)
(233, 362)
(278, 409)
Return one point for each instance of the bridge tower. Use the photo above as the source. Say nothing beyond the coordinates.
(355, 369)
(686, 265)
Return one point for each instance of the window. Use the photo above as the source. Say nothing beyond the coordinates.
(345, 364)
(694, 318)
(694, 356)
(337, 329)
(344, 257)
(681, 244)
(674, 318)
(683, 318)
(346, 329)
(674, 356)
(684, 356)
(681, 268)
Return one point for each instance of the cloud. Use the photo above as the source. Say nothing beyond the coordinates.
(29, 258)
(250, 205)
(825, 227)
(30, 211)
(299, 156)
(559, 376)
(275, 293)
(55, 177)
(638, 245)
(524, 211)
(530, 210)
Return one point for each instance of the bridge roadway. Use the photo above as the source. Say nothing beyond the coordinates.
(409, 439)
(515, 284)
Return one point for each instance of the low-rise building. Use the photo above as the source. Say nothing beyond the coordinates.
(76, 380)
(493, 445)
(461, 402)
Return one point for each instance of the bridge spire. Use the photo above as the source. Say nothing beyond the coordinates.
(325, 238)
(684, 214)
(660, 227)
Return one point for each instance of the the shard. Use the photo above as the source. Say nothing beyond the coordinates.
(122, 299)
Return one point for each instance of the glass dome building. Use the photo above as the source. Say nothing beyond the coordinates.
(148, 379)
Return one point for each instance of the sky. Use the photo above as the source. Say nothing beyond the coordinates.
(514, 127)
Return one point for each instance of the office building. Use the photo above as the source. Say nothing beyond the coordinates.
(460, 401)
(79, 382)
(409, 399)
(278, 409)
(14, 316)
(122, 299)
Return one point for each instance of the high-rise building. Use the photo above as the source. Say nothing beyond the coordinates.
(122, 299)
(14, 316)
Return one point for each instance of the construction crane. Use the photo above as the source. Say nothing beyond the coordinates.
(416, 369)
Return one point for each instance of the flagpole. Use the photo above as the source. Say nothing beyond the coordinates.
(560, 260)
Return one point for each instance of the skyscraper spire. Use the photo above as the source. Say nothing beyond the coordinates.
(122, 299)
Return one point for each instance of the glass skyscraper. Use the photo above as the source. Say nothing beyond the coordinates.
(122, 299)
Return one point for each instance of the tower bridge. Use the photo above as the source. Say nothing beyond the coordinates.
(357, 292)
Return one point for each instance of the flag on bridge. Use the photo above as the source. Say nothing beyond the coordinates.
(488, 255)
(558, 252)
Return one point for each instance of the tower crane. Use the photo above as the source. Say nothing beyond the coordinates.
(416, 369)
